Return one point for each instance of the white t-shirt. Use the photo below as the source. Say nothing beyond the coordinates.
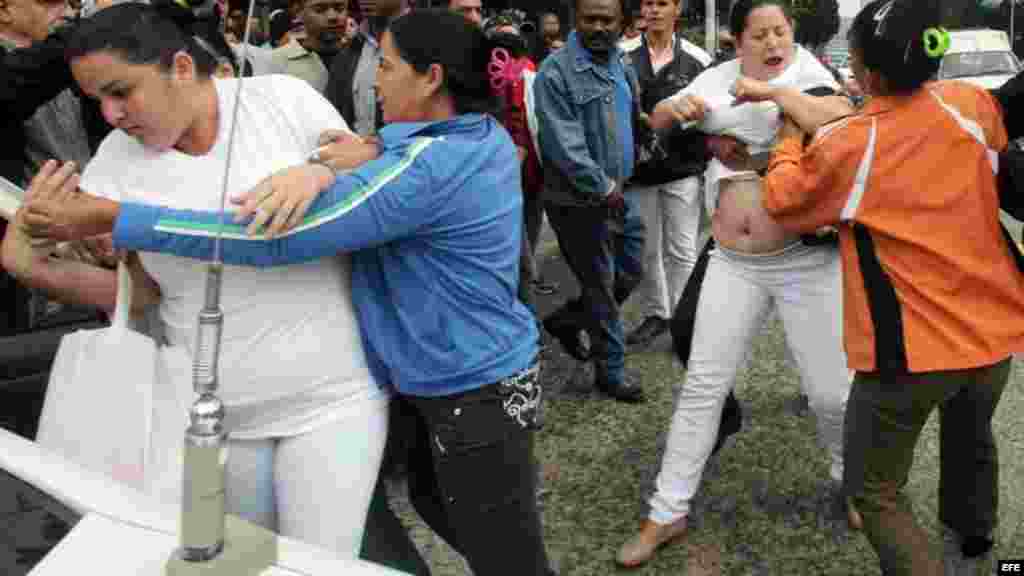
(755, 124)
(629, 44)
(291, 354)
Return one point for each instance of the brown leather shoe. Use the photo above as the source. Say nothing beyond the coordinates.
(641, 547)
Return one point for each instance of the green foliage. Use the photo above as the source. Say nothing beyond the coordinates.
(693, 34)
(817, 21)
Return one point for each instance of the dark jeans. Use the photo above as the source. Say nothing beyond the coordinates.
(385, 539)
(605, 254)
(533, 219)
(473, 476)
(884, 417)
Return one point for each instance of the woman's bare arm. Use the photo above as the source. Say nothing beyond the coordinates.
(811, 112)
(72, 281)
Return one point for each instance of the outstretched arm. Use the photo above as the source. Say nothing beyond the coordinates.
(805, 189)
(810, 110)
(73, 281)
(382, 200)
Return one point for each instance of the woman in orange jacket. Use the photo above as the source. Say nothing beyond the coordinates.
(933, 297)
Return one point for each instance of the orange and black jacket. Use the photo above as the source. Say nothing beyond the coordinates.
(930, 277)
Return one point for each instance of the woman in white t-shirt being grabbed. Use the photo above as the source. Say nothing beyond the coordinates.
(306, 421)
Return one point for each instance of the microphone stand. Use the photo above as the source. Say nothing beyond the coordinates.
(211, 542)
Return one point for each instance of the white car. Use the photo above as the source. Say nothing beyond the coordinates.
(985, 69)
(981, 57)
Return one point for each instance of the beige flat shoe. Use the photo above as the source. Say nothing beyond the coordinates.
(641, 547)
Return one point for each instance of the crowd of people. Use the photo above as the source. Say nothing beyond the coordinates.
(393, 167)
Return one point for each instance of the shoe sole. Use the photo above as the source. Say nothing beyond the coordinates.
(640, 345)
(640, 397)
(637, 347)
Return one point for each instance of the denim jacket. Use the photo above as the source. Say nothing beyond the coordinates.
(575, 107)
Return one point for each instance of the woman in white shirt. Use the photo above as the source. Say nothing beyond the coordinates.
(306, 421)
(755, 262)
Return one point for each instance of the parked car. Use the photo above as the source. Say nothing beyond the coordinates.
(981, 57)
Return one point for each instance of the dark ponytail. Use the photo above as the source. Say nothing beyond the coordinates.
(436, 36)
(901, 40)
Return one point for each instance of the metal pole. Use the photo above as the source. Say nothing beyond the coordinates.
(710, 28)
(1013, 6)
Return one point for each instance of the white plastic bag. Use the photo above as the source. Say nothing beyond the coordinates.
(172, 396)
(98, 409)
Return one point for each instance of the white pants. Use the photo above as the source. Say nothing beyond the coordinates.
(805, 285)
(671, 213)
(314, 487)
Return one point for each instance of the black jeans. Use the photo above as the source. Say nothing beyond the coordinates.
(605, 254)
(884, 418)
(533, 219)
(385, 539)
(473, 477)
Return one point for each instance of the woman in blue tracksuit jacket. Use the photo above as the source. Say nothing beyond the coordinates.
(433, 225)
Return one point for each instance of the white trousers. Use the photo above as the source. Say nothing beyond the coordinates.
(671, 213)
(314, 487)
(805, 285)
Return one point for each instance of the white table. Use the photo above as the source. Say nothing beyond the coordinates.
(123, 532)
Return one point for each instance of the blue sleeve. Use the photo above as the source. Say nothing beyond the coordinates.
(561, 136)
(382, 200)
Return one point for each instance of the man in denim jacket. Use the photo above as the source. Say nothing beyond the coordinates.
(586, 106)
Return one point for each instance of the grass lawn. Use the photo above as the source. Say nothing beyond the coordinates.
(762, 508)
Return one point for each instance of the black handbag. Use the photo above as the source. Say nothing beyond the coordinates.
(1011, 181)
(683, 317)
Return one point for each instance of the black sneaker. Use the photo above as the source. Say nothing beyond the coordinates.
(647, 332)
(568, 335)
(628, 390)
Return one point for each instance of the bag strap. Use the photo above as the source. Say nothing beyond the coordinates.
(123, 305)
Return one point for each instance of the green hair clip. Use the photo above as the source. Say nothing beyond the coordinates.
(936, 42)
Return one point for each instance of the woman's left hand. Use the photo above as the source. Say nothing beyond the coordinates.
(55, 209)
(728, 151)
(345, 151)
(749, 90)
(280, 201)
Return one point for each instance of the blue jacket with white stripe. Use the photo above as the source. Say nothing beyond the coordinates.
(434, 229)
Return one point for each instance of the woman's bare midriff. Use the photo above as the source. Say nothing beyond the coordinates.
(741, 223)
